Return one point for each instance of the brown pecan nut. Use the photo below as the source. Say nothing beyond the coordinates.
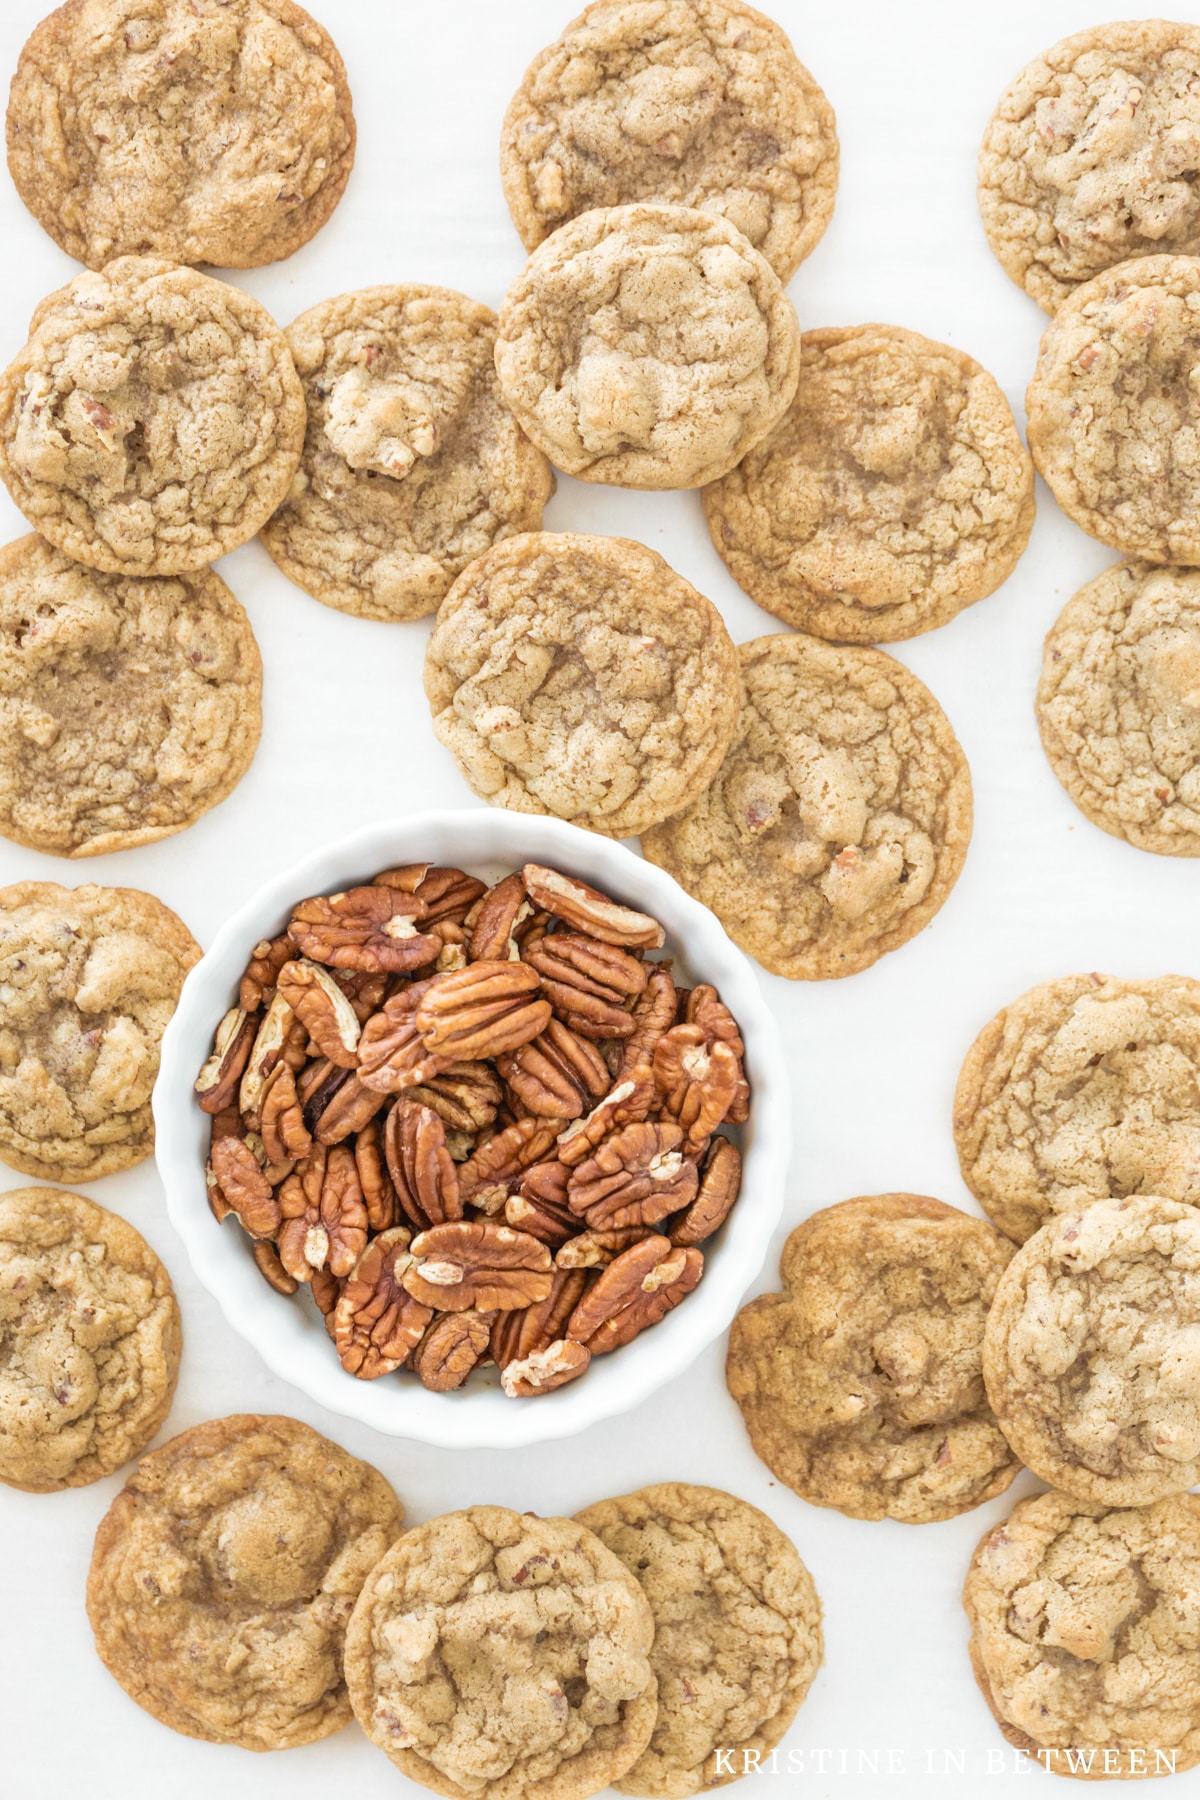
(451, 1347)
(653, 1014)
(586, 909)
(481, 1011)
(266, 1259)
(546, 1181)
(371, 929)
(705, 1008)
(443, 893)
(262, 972)
(636, 1290)
(525, 1329)
(324, 1215)
(596, 1249)
(244, 1188)
(350, 1107)
(544, 1370)
(379, 1195)
(495, 918)
(557, 1075)
(489, 1267)
(218, 1205)
(628, 1103)
(376, 1322)
(391, 1054)
(464, 1096)
(636, 1177)
(366, 993)
(453, 953)
(285, 1136)
(720, 1183)
(589, 985)
(542, 1219)
(698, 1080)
(222, 1073)
(328, 1017)
(505, 1156)
(265, 1052)
(326, 1290)
(423, 1172)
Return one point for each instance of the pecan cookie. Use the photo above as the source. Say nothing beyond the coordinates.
(862, 1384)
(839, 820)
(894, 491)
(1091, 1355)
(89, 978)
(1118, 705)
(224, 1573)
(647, 347)
(1083, 1633)
(1084, 1087)
(207, 131)
(737, 1628)
(412, 464)
(581, 677)
(89, 1341)
(1091, 156)
(153, 421)
(697, 102)
(1113, 409)
(496, 1654)
(127, 707)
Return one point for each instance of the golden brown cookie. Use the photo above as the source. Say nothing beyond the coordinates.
(1084, 1634)
(207, 131)
(1118, 705)
(413, 465)
(840, 818)
(499, 1655)
(894, 491)
(127, 707)
(647, 347)
(89, 977)
(862, 1384)
(224, 1574)
(1091, 1354)
(89, 1341)
(153, 421)
(737, 1629)
(698, 102)
(1084, 1087)
(1091, 156)
(1113, 411)
(581, 677)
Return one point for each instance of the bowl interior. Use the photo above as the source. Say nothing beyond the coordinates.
(290, 1334)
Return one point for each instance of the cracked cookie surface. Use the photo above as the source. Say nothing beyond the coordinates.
(224, 1573)
(894, 491)
(1113, 411)
(89, 978)
(580, 676)
(153, 421)
(207, 131)
(1085, 1631)
(1091, 1354)
(1118, 705)
(89, 1341)
(497, 1654)
(127, 707)
(412, 465)
(697, 102)
(737, 1627)
(861, 1385)
(839, 821)
(647, 347)
(1092, 154)
(1084, 1087)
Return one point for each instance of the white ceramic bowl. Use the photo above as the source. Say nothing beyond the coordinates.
(289, 1335)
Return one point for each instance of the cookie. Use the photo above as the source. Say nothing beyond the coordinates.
(839, 820)
(893, 492)
(89, 977)
(206, 131)
(581, 677)
(737, 1628)
(499, 1655)
(1091, 1354)
(127, 707)
(89, 1341)
(153, 421)
(862, 1384)
(413, 465)
(224, 1574)
(1083, 1634)
(1084, 1087)
(1112, 408)
(1118, 705)
(1091, 156)
(698, 102)
(647, 347)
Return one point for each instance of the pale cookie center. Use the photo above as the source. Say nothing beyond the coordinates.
(381, 423)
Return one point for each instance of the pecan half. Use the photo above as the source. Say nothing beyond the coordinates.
(344, 1108)
(596, 1249)
(328, 1017)
(698, 1079)
(391, 1054)
(376, 1322)
(222, 1073)
(366, 993)
(705, 1008)
(326, 1290)
(653, 1014)
(266, 960)
(636, 1290)
(285, 1136)
(379, 1195)
(588, 984)
(464, 1096)
(324, 1215)
(370, 929)
(544, 1370)
(557, 1074)
(244, 1188)
(267, 1261)
(453, 953)
(507, 1154)
(542, 1219)
(451, 1347)
(586, 909)
(481, 1011)
(527, 1329)
(637, 1176)
(266, 1051)
(720, 1183)
(628, 1103)
(423, 1172)
(495, 919)
(443, 893)
(489, 1267)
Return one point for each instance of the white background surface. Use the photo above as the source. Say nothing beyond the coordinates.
(874, 1058)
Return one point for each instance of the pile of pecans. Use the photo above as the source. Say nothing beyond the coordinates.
(476, 1122)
